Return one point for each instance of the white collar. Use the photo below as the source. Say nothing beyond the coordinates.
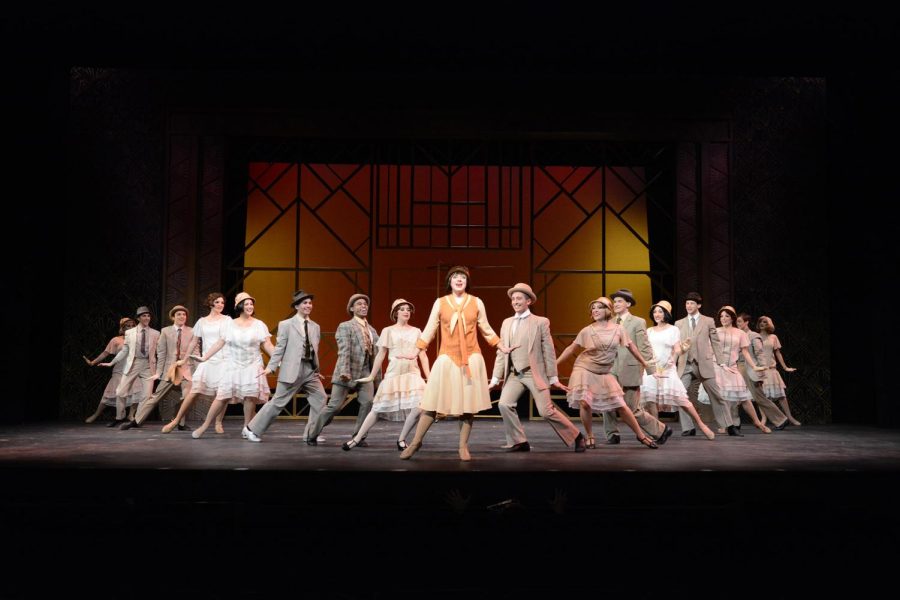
(524, 314)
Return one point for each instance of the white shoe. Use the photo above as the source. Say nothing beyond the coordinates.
(248, 435)
(321, 439)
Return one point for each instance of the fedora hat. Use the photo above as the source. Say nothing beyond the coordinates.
(624, 293)
(241, 297)
(396, 306)
(353, 299)
(524, 288)
(142, 310)
(176, 308)
(300, 296)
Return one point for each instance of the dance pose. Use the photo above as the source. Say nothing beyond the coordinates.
(663, 388)
(458, 384)
(728, 379)
(245, 381)
(773, 385)
(139, 354)
(206, 376)
(356, 341)
(530, 366)
(592, 389)
(296, 357)
(108, 398)
(754, 379)
(401, 390)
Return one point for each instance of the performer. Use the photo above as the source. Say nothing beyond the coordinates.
(728, 379)
(628, 372)
(108, 398)
(206, 376)
(400, 392)
(530, 366)
(663, 388)
(296, 357)
(139, 354)
(458, 384)
(245, 381)
(173, 344)
(700, 352)
(356, 341)
(754, 379)
(592, 389)
(773, 384)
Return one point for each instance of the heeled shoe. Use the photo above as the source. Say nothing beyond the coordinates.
(402, 445)
(348, 446)
(763, 428)
(709, 434)
(169, 427)
(648, 441)
(410, 450)
(197, 433)
(464, 454)
(795, 422)
(219, 428)
(590, 444)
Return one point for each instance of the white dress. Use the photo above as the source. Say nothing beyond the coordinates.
(244, 378)
(667, 391)
(402, 387)
(208, 376)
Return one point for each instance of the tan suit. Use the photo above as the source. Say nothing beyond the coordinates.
(167, 354)
(136, 366)
(697, 366)
(630, 373)
(529, 367)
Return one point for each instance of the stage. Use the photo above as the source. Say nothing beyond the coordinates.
(224, 517)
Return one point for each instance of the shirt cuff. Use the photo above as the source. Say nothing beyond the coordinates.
(554, 380)
(494, 381)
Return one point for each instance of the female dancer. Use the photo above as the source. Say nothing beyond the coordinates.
(664, 387)
(730, 381)
(206, 376)
(401, 390)
(109, 393)
(245, 380)
(458, 383)
(773, 384)
(591, 387)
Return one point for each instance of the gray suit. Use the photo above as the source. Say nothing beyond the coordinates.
(697, 366)
(354, 361)
(629, 372)
(295, 373)
(529, 367)
(167, 354)
(136, 366)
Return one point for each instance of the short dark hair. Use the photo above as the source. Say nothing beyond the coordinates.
(240, 307)
(695, 297)
(211, 298)
(667, 316)
(728, 311)
(746, 318)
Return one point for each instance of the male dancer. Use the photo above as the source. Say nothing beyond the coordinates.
(139, 354)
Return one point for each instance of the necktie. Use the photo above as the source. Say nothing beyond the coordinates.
(693, 323)
(144, 341)
(307, 347)
(618, 320)
(178, 345)
(515, 328)
(365, 328)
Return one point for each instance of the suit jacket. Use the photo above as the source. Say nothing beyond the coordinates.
(535, 337)
(627, 369)
(289, 344)
(706, 345)
(351, 357)
(130, 349)
(166, 351)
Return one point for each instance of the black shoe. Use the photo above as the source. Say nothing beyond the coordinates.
(115, 423)
(402, 445)
(129, 425)
(783, 425)
(363, 443)
(579, 443)
(520, 447)
(689, 432)
(613, 439)
(667, 432)
(312, 442)
(732, 430)
(347, 446)
(183, 428)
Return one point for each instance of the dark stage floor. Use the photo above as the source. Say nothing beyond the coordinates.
(798, 510)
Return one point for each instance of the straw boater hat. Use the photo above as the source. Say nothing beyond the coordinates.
(241, 297)
(602, 300)
(524, 288)
(176, 308)
(141, 311)
(124, 320)
(173, 374)
(300, 296)
(624, 293)
(396, 306)
(663, 304)
(729, 309)
(458, 269)
(353, 299)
